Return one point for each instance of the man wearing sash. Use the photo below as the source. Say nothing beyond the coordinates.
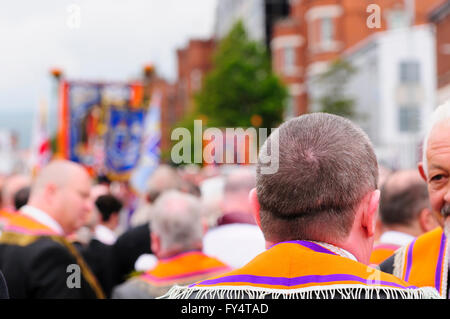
(176, 236)
(35, 256)
(316, 202)
(424, 262)
(404, 211)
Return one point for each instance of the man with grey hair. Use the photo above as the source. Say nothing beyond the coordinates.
(318, 213)
(424, 262)
(176, 239)
(236, 239)
(164, 178)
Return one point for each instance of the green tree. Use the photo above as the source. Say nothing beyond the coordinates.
(333, 82)
(241, 90)
(241, 85)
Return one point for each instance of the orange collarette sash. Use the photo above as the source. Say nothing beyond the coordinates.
(23, 230)
(424, 262)
(184, 268)
(302, 269)
(381, 252)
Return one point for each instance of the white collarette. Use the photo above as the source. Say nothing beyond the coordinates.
(42, 217)
(337, 250)
(396, 238)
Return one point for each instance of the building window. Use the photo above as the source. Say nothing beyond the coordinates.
(289, 111)
(409, 72)
(397, 19)
(326, 30)
(196, 80)
(409, 118)
(289, 60)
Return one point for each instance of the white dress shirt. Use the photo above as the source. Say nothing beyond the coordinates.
(105, 235)
(42, 217)
(396, 238)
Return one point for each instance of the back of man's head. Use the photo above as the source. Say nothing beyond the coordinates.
(108, 205)
(11, 186)
(238, 183)
(164, 178)
(326, 166)
(21, 197)
(176, 220)
(403, 196)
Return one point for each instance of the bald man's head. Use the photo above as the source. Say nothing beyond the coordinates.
(62, 190)
(58, 173)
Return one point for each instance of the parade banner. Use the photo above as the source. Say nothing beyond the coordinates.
(101, 125)
(150, 146)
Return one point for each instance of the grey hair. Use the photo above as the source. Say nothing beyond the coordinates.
(176, 219)
(240, 179)
(326, 166)
(440, 114)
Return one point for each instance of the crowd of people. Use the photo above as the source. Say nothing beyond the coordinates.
(328, 223)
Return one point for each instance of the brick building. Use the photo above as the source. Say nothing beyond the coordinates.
(440, 16)
(318, 31)
(194, 61)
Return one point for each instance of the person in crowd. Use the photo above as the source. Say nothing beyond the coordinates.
(405, 213)
(163, 178)
(35, 256)
(176, 238)
(316, 201)
(11, 185)
(424, 262)
(109, 208)
(236, 239)
(98, 252)
(21, 197)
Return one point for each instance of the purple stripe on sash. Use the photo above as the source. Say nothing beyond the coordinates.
(313, 246)
(409, 260)
(289, 282)
(185, 275)
(437, 278)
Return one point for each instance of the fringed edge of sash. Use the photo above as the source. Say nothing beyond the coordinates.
(445, 271)
(399, 262)
(329, 292)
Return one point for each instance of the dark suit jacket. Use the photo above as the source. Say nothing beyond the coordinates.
(126, 250)
(39, 269)
(4, 294)
(99, 258)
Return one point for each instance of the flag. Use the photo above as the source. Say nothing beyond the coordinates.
(41, 151)
(150, 145)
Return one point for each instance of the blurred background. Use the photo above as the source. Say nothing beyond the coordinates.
(105, 83)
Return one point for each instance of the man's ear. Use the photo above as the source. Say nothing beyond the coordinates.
(371, 212)
(255, 207)
(205, 226)
(422, 171)
(427, 220)
(155, 244)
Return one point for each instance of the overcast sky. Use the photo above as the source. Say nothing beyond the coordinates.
(91, 39)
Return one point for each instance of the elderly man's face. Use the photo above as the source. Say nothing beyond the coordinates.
(438, 179)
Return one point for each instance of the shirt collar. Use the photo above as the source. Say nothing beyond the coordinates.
(337, 250)
(396, 237)
(42, 217)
